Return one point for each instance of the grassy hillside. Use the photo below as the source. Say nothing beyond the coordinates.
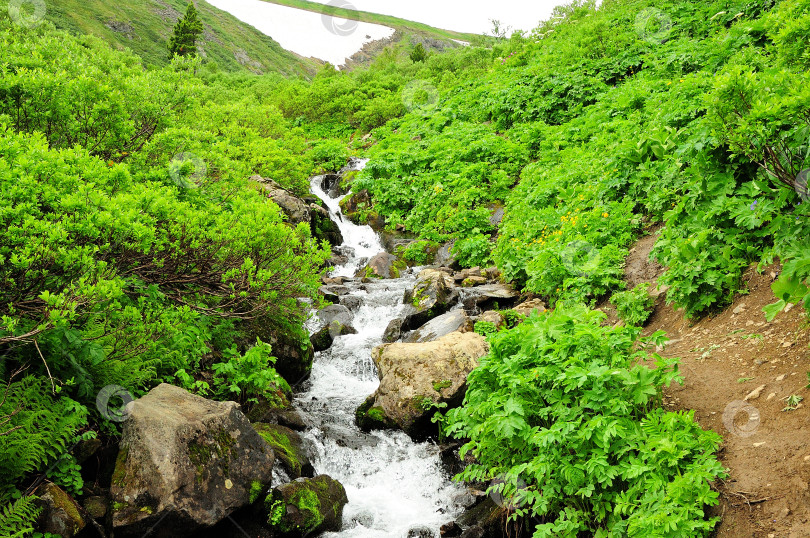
(144, 26)
(406, 26)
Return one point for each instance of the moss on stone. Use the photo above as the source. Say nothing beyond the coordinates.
(281, 445)
(120, 472)
(256, 489)
(309, 505)
(371, 417)
(438, 386)
(201, 453)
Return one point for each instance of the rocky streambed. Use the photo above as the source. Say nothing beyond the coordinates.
(354, 455)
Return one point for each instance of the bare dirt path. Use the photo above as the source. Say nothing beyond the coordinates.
(725, 359)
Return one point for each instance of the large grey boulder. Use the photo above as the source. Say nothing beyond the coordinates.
(415, 376)
(184, 464)
(455, 320)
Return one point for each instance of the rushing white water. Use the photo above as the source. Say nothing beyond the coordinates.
(363, 241)
(394, 485)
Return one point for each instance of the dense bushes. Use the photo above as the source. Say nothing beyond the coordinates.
(562, 420)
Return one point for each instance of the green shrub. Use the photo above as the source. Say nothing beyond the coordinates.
(564, 414)
(634, 306)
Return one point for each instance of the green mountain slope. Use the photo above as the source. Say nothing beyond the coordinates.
(144, 26)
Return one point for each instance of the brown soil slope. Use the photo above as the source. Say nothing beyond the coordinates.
(725, 359)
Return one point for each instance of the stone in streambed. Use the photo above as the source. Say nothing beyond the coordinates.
(186, 463)
(383, 265)
(453, 321)
(393, 331)
(414, 377)
(434, 294)
(336, 321)
(288, 448)
(307, 506)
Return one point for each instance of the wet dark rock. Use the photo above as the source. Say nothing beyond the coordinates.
(450, 530)
(455, 320)
(288, 447)
(331, 185)
(487, 519)
(434, 294)
(393, 332)
(323, 227)
(420, 532)
(383, 265)
(307, 506)
(294, 354)
(60, 513)
(351, 302)
(335, 321)
(333, 292)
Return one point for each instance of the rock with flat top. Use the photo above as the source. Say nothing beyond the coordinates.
(415, 376)
(184, 464)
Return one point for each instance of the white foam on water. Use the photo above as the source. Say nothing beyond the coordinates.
(393, 483)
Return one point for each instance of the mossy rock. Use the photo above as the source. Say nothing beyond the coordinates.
(60, 513)
(307, 506)
(288, 447)
(371, 417)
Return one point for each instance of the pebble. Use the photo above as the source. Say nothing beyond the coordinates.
(789, 307)
(754, 394)
(749, 323)
(770, 397)
(760, 362)
(757, 445)
(787, 344)
(740, 309)
(781, 377)
(807, 458)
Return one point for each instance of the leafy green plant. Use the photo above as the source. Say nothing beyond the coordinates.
(248, 377)
(563, 405)
(485, 328)
(634, 306)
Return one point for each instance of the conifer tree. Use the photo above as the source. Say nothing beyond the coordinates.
(186, 33)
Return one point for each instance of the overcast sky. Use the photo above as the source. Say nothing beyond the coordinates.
(460, 15)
